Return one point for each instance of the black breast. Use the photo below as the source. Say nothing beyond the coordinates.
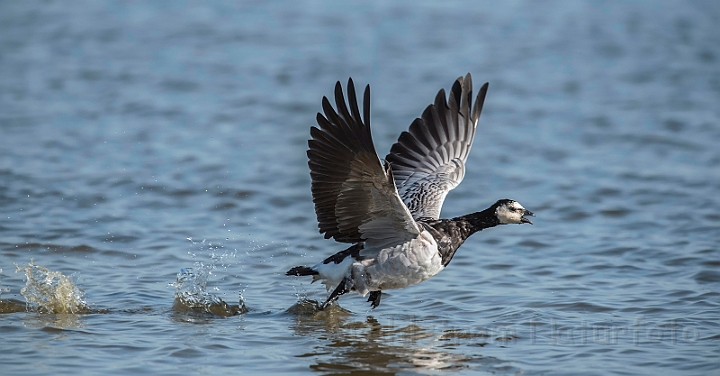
(449, 235)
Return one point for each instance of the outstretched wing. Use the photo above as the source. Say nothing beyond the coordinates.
(355, 196)
(429, 160)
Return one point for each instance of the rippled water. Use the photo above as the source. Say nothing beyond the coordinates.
(153, 155)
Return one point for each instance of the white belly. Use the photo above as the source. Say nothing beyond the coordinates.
(332, 274)
(400, 266)
(390, 268)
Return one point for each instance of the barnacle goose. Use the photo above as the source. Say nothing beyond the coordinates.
(390, 211)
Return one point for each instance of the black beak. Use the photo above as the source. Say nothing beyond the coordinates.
(528, 213)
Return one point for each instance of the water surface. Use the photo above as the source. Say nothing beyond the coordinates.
(152, 162)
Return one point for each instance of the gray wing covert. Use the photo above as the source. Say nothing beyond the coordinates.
(429, 159)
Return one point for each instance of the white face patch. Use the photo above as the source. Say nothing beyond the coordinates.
(510, 213)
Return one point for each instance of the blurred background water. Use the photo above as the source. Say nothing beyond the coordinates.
(154, 187)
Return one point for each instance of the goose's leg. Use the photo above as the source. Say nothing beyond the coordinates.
(374, 298)
(341, 288)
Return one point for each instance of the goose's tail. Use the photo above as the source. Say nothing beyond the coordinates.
(301, 271)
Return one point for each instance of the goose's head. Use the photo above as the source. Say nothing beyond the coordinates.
(509, 211)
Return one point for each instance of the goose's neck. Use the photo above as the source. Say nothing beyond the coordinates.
(477, 221)
(451, 233)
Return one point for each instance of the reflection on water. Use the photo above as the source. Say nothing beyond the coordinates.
(370, 347)
(54, 323)
(332, 317)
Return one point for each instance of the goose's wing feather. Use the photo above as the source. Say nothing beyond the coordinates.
(429, 159)
(354, 194)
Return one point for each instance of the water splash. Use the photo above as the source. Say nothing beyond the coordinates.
(47, 291)
(191, 294)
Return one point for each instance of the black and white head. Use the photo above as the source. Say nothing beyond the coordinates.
(509, 212)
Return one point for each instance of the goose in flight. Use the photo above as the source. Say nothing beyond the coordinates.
(390, 210)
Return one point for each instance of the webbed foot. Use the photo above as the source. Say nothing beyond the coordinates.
(341, 288)
(374, 298)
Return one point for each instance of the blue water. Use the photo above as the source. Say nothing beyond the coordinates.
(153, 179)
